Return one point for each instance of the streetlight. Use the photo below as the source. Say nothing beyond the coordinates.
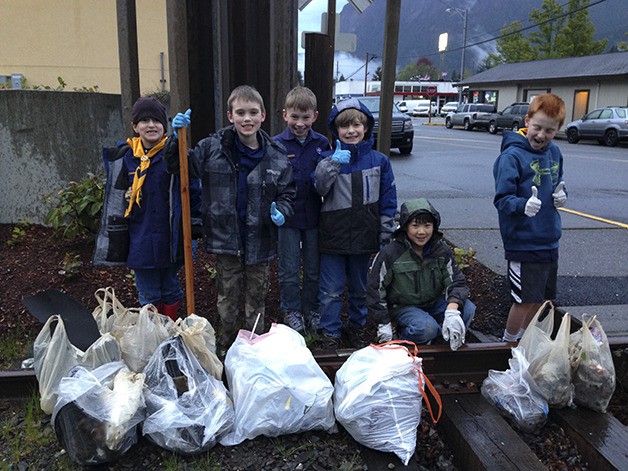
(463, 14)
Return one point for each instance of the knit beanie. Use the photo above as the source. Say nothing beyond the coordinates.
(149, 107)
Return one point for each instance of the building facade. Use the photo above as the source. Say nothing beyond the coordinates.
(585, 83)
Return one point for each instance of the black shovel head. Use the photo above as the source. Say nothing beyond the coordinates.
(79, 324)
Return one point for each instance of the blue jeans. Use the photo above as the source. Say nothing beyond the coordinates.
(422, 326)
(155, 285)
(294, 244)
(335, 271)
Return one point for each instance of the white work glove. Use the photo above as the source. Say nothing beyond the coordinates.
(534, 204)
(384, 333)
(559, 195)
(453, 328)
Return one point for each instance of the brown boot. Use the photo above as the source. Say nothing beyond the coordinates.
(170, 310)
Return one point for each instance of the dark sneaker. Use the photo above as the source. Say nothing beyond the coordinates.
(356, 337)
(294, 320)
(314, 321)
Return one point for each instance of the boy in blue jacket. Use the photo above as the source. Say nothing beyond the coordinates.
(298, 237)
(529, 189)
(141, 223)
(357, 218)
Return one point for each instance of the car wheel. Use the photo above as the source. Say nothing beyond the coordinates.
(405, 150)
(467, 125)
(448, 124)
(514, 127)
(611, 138)
(492, 127)
(572, 135)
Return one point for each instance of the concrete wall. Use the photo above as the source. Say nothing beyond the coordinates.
(48, 139)
(77, 40)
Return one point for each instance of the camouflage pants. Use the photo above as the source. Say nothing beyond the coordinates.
(236, 281)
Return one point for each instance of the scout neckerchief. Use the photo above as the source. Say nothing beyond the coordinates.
(140, 172)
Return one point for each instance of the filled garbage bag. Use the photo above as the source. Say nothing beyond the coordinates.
(377, 398)
(592, 362)
(277, 386)
(97, 412)
(549, 367)
(188, 410)
(200, 337)
(513, 395)
(55, 356)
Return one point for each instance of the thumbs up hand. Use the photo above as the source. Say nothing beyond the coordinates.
(559, 195)
(533, 205)
(339, 155)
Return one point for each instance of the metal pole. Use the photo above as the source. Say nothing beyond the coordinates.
(366, 72)
(464, 48)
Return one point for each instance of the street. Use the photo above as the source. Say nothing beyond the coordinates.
(453, 168)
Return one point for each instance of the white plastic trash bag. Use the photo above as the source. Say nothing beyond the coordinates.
(188, 410)
(54, 357)
(513, 395)
(594, 372)
(97, 412)
(277, 386)
(140, 333)
(377, 398)
(200, 337)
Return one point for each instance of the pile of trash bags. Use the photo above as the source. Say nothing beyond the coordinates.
(148, 375)
(553, 371)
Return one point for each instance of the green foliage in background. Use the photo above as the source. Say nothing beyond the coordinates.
(76, 208)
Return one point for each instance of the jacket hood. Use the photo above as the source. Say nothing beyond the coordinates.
(345, 105)
(412, 208)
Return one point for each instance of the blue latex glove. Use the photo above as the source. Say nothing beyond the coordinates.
(339, 155)
(181, 120)
(276, 215)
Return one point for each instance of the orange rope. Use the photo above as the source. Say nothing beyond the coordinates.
(423, 379)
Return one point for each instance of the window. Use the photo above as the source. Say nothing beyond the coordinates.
(606, 114)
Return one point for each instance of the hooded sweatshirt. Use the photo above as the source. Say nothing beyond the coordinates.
(516, 170)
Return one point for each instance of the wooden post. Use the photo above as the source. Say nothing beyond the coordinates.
(186, 219)
(128, 58)
(389, 64)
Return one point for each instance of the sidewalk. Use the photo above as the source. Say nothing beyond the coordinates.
(593, 265)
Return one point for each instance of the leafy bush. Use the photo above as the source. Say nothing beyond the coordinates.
(76, 208)
(18, 234)
(464, 257)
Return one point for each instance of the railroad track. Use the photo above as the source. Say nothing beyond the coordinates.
(478, 436)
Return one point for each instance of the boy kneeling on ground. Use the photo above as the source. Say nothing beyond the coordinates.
(416, 282)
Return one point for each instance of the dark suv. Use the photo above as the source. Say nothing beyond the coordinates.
(402, 130)
(512, 117)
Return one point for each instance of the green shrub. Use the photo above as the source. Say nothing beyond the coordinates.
(18, 234)
(76, 208)
(464, 257)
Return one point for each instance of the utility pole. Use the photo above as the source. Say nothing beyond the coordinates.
(366, 69)
(389, 65)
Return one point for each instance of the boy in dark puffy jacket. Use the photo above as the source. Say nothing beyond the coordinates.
(141, 223)
(357, 218)
(415, 282)
(248, 190)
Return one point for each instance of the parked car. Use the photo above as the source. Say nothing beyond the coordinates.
(403, 107)
(424, 108)
(449, 107)
(512, 117)
(470, 115)
(402, 131)
(607, 125)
